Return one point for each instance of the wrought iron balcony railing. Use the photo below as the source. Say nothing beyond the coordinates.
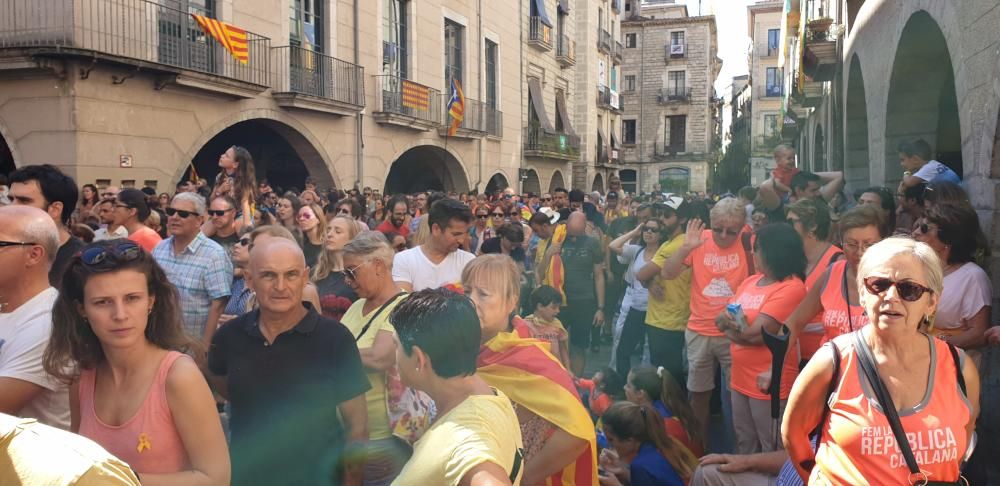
(539, 34)
(403, 102)
(539, 142)
(303, 71)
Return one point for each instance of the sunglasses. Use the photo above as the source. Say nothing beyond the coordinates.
(218, 212)
(482, 216)
(924, 228)
(245, 241)
(179, 212)
(499, 215)
(650, 229)
(546, 199)
(908, 291)
(305, 216)
(4, 244)
(730, 232)
(103, 258)
(344, 211)
(351, 273)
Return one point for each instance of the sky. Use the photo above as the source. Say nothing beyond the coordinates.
(731, 24)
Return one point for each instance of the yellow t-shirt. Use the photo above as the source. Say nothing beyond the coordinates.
(482, 428)
(378, 415)
(670, 313)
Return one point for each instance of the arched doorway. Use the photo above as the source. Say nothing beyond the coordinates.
(598, 184)
(858, 159)
(6, 158)
(497, 183)
(426, 168)
(922, 102)
(530, 183)
(819, 150)
(280, 153)
(557, 181)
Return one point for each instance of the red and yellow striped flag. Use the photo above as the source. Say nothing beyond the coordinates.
(416, 96)
(233, 38)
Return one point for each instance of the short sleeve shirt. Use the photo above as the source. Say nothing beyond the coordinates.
(146, 238)
(579, 255)
(202, 272)
(966, 291)
(936, 171)
(355, 320)
(413, 267)
(716, 273)
(285, 394)
(777, 300)
(670, 313)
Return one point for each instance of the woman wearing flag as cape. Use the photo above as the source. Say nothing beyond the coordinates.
(559, 439)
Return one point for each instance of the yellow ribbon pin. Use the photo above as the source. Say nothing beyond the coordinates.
(144, 443)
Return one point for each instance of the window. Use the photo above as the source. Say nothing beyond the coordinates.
(453, 35)
(181, 41)
(676, 83)
(773, 82)
(628, 178)
(675, 180)
(628, 6)
(628, 132)
(677, 38)
(676, 134)
(306, 24)
(772, 41)
(629, 38)
(491, 73)
(394, 45)
(629, 82)
(770, 125)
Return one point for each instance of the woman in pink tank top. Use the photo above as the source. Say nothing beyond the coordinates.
(117, 337)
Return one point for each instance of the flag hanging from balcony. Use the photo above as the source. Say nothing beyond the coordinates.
(456, 107)
(233, 38)
(416, 96)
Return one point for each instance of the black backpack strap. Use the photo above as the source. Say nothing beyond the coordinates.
(376, 314)
(748, 251)
(958, 368)
(516, 468)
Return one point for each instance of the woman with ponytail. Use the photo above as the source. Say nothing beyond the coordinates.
(657, 389)
(653, 458)
(238, 180)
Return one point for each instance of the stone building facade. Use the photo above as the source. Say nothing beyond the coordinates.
(669, 125)
(764, 28)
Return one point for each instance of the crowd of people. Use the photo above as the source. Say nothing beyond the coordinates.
(235, 332)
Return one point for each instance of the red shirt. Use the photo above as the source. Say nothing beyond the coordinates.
(388, 227)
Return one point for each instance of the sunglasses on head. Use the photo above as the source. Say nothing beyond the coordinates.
(730, 232)
(908, 291)
(218, 212)
(100, 257)
(179, 212)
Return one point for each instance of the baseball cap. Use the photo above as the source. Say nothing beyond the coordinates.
(135, 199)
(551, 213)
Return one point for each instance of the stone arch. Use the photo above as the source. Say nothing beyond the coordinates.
(557, 181)
(301, 145)
(497, 183)
(530, 182)
(921, 97)
(426, 167)
(856, 120)
(598, 184)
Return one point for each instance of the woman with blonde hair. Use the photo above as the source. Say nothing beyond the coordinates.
(559, 438)
(335, 295)
(887, 388)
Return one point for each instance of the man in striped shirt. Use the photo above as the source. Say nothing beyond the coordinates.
(199, 267)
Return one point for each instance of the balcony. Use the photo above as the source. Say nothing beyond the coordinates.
(819, 60)
(674, 51)
(493, 120)
(618, 51)
(312, 80)
(566, 51)
(539, 142)
(142, 34)
(766, 51)
(474, 120)
(616, 5)
(674, 95)
(403, 103)
(539, 34)
(603, 41)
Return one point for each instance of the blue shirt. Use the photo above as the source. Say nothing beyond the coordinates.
(202, 272)
(650, 468)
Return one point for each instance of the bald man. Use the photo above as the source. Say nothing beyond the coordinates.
(583, 264)
(29, 241)
(287, 372)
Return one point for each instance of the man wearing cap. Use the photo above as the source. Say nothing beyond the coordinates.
(130, 211)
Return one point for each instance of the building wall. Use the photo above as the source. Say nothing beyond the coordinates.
(649, 64)
(762, 17)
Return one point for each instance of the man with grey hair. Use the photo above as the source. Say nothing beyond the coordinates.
(199, 268)
(29, 241)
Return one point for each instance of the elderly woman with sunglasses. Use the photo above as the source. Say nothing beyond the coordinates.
(858, 385)
(117, 338)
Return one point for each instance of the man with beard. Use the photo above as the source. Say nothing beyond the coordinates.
(440, 260)
(399, 210)
(110, 231)
(560, 198)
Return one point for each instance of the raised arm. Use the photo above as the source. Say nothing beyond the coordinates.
(618, 244)
(693, 239)
(831, 183)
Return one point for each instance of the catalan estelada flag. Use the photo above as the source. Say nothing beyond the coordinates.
(523, 369)
(555, 274)
(416, 96)
(456, 106)
(233, 38)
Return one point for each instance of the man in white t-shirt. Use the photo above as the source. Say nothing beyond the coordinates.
(920, 168)
(29, 241)
(440, 261)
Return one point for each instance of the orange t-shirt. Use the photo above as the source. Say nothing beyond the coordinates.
(146, 238)
(857, 445)
(836, 320)
(777, 300)
(812, 335)
(715, 273)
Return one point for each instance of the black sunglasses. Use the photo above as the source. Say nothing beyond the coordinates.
(101, 257)
(499, 215)
(482, 216)
(180, 212)
(546, 199)
(729, 232)
(245, 241)
(924, 228)
(215, 212)
(344, 211)
(908, 291)
(4, 244)
(650, 229)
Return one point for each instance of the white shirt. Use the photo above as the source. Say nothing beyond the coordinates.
(413, 267)
(934, 170)
(636, 295)
(966, 291)
(24, 334)
(102, 233)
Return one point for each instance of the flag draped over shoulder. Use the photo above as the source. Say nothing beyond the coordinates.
(523, 368)
(456, 106)
(233, 38)
(555, 274)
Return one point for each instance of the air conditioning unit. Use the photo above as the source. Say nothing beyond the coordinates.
(677, 49)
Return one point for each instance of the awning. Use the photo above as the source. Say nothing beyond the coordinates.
(543, 16)
(614, 140)
(567, 123)
(602, 146)
(538, 103)
(563, 8)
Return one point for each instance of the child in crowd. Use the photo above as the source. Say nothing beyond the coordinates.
(784, 169)
(546, 300)
(657, 389)
(603, 389)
